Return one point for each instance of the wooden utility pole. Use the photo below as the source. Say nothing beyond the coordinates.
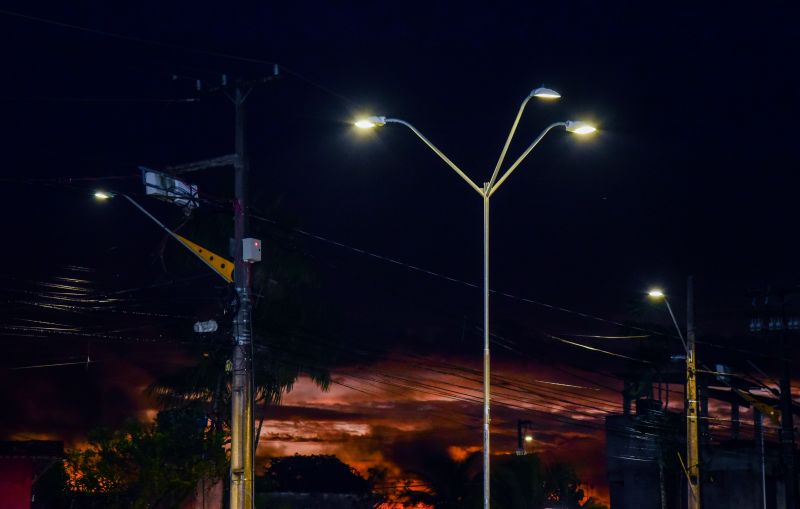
(692, 421)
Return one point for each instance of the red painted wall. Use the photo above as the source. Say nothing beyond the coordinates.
(15, 483)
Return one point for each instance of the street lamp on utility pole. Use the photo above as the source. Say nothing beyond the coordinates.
(692, 421)
(486, 191)
(523, 426)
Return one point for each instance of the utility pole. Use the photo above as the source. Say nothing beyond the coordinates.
(787, 424)
(781, 324)
(758, 423)
(246, 251)
(242, 423)
(692, 428)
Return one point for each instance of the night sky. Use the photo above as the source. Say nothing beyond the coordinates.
(694, 171)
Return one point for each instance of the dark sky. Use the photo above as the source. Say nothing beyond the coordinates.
(693, 171)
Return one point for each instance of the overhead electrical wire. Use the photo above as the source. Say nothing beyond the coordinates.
(179, 47)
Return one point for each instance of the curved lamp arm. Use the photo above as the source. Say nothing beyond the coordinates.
(524, 155)
(508, 141)
(184, 242)
(438, 152)
(677, 327)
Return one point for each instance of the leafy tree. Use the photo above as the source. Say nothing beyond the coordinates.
(518, 482)
(313, 474)
(561, 485)
(153, 466)
(449, 484)
(320, 476)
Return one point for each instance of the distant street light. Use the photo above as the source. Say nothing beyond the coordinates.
(102, 195)
(523, 436)
(486, 191)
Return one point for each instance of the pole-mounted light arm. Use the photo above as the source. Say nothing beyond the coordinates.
(521, 158)
(438, 152)
(508, 141)
(145, 212)
(677, 327)
(217, 266)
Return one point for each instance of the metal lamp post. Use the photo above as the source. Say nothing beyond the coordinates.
(486, 191)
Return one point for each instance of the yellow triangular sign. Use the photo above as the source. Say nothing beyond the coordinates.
(220, 265)
(772, 413)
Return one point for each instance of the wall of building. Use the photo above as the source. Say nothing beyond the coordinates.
(15, 483)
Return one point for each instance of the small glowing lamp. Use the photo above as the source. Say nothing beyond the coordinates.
(545, 93)
(370, 122)
(580, 127)
(529, 438)
(655, 293)
(102, 195)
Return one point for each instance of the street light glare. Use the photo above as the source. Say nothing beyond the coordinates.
(580, 127)
(545, 93)
(370, 122)
(655, 293)
(364, 124)
(528, 438)
(102, 195)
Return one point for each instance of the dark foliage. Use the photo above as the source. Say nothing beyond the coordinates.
(313, 474)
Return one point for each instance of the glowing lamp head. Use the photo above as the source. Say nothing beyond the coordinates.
(545, 93)
(370, 122)
(580, 127)
(655, 293)
(529, 438)
(103, 195)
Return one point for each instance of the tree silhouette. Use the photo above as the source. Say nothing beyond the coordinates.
(518, 482)
(154, 466)
(313, 474)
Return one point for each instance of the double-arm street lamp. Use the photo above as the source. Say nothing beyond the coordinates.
(486, 191)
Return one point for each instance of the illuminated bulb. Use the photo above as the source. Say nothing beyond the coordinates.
(102, 195)
(580, 127)
(528, 438)
(370, 122)
(655, 293)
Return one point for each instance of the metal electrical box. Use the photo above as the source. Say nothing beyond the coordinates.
(251, 250)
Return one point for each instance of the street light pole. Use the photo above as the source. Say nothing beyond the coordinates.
(486, 192)
(522, 438)
(692, 420)
(486, 356)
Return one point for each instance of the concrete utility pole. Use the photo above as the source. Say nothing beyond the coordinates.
(242, 422)
(692, 428)
(787, 424)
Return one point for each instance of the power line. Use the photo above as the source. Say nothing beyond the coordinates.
(161, 44)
